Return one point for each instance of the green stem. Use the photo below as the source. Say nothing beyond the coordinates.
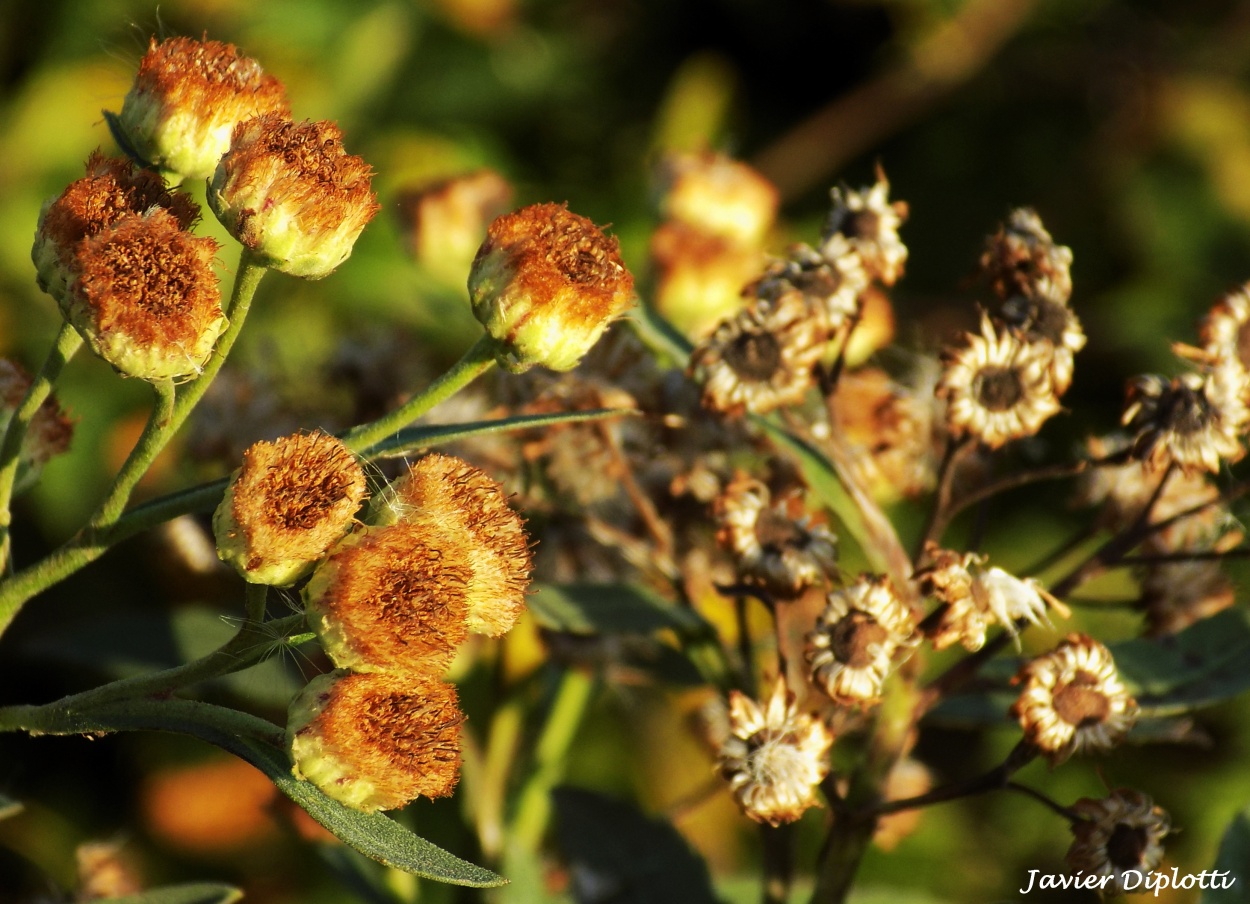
(67, 343)
(155, 434)
(472, 364)
(534, 805)
(106, 526)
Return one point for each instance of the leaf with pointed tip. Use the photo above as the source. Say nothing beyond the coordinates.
(190, 893)
(1233, 861)
(588, 608)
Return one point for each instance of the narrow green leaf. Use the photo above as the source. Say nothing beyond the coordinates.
(607, 609)
(413, 439)
(191, 893)
(1232, 864)
(373, 834)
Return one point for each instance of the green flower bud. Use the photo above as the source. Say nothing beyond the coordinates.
(546, 283)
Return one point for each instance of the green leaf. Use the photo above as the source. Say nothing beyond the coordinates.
(612, 847)
(608, 609)
(1234, 860)
(1206, 663)
(413, 439)
(191, 893)
(373, 834)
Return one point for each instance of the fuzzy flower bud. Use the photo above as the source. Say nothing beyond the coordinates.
(186, 99)
(145, 297)
(376, 742)
(717, 195)
(291, 194)
(546, 283)
(49, 432)
(469, 504)
(112, 188)
(392, 599)
(288, 504)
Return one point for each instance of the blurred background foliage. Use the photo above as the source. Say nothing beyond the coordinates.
(1126, 123)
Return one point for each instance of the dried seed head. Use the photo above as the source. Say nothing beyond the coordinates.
(1226, 329)
(1175, 595)
(774, 544)
(186, 100)
(290, 502)
(1119, 834)
(113, 188)
(1073, 700)
(546, 283)
(763, 358)
(858, 635)
(1049, 324)
(997, 387)
(470, 506)
(392, 599)
(145, 298)
(49, 432)
(292, 195)
(1022, 259)
(775, 756)
(444, 221)
(717, 195)
(376, 741)
(865, 223)
(833, 286)
(1192, 421)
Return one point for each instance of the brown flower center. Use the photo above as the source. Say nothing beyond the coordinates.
(583, 254)
(1126, 846)
(1048, 320)
(822, 282)
(1185, 411)
(861, 224)
(856, 639)
(1081, 703)
(1243, 343)
(997, 388)
(754, 356)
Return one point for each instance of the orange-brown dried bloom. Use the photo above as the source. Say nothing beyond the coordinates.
(48, 433)
(393, 599)
(112, 188)
(546, 283)
(489, 535)
(1073, 700)
(145, 298)
(1022, 259)
(186, 100)
(376, 741)
(292, 195)
(1120, 834)
(865, 223)
(290, 502)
